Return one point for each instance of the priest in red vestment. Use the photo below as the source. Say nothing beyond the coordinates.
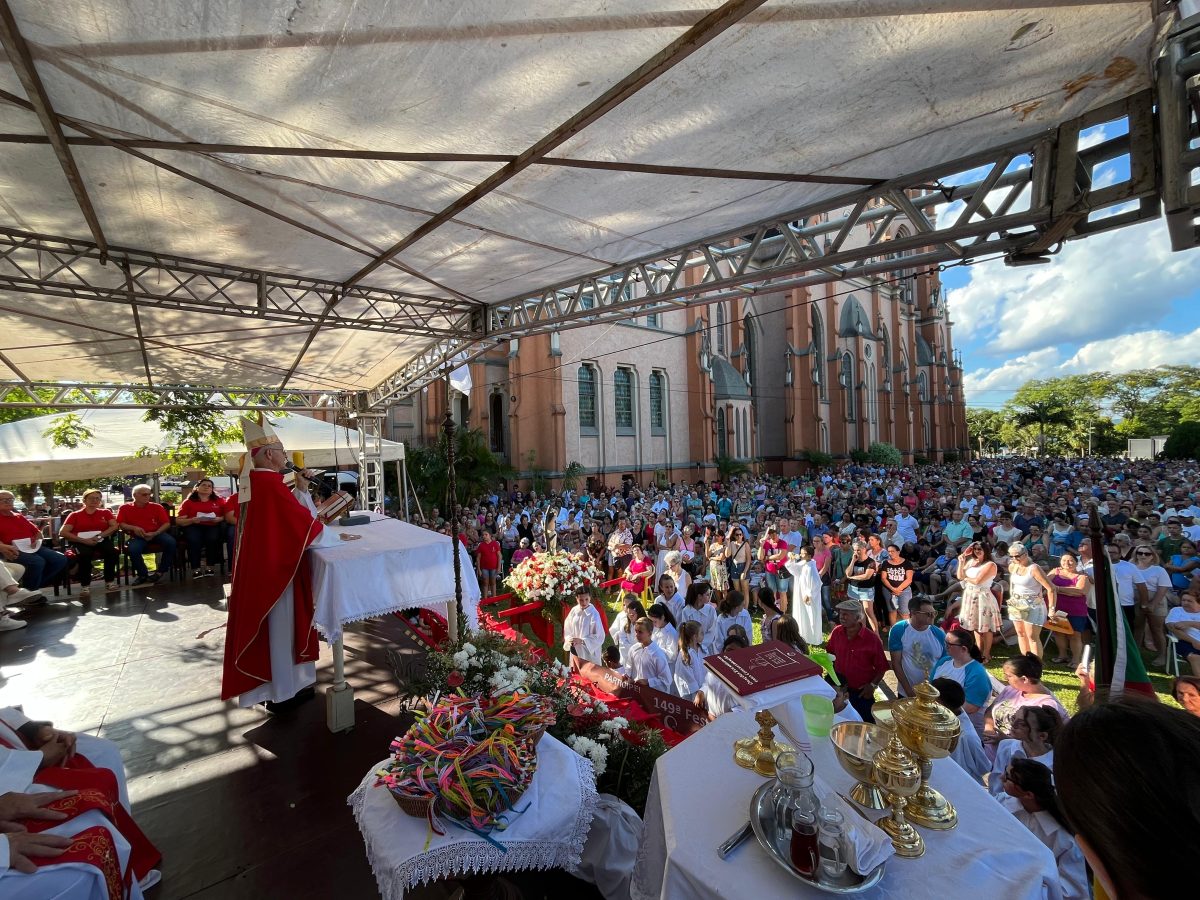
(270, 646)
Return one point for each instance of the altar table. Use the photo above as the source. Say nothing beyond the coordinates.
(700, 796)
(393, 566)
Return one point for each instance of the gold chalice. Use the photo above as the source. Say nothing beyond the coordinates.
(929, 731)
(899, 777)
(855, 745)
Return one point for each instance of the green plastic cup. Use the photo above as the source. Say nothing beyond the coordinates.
(818, 714)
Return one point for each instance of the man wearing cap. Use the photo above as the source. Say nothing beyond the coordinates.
(270, 646)
(860, 662)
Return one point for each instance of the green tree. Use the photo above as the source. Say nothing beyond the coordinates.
(881, 453)
(477, 469)
(984, 427)
(69, 431)
(192, 432)
(1039, 404)
(729, 468)
(1183, 442)
(571, 476)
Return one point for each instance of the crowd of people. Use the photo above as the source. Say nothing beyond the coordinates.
(913, 573)
(901, 575)
(40, 551)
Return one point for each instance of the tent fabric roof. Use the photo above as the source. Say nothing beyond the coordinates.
(27, 455)
(872, 89)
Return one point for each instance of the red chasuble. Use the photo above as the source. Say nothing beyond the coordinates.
(276, 529)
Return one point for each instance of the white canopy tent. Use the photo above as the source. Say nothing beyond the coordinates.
(28, 456)
(275, 136)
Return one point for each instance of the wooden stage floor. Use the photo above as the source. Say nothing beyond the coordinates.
(242, 804)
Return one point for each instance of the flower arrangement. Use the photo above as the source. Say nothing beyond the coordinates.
(485, 669)
(551, 577)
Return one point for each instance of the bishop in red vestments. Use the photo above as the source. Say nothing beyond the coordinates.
(270, 646)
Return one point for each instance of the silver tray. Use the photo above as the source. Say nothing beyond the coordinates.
(778, 846)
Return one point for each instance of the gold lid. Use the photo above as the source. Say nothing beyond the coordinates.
(924, 726)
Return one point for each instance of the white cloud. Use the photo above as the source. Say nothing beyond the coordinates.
(1123, 353)
(1094, 289)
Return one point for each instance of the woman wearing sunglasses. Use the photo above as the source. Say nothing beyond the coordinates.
(1152, 615)
(980, 612)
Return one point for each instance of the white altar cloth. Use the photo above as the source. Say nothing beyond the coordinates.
(699, 797)
(550, 833)
(394, 566)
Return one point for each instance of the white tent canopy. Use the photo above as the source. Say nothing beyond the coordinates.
(198, 127)
(27, 455)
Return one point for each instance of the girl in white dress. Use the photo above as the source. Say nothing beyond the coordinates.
(689, 664)
(669, 596)
(583, 632)
(699, 609)
(733, 612)
(1034, 730)
(806, 594)
(1029, 795)
(664, 632)
(621, 630)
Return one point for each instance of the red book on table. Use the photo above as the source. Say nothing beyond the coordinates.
(748, 670)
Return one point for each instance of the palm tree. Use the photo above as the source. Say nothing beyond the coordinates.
(477, 469)
(1042, 413)
(727, 468)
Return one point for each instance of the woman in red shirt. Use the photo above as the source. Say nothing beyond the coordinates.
(201, 516)
(487, 557)
(89, 531)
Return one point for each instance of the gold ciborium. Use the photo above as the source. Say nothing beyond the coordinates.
(855, 745)
(896, 772)
(929, 731)
(758, 752)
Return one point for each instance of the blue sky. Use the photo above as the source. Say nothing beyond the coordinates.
(1113, 301)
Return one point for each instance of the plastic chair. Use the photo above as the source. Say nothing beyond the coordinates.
(1172, 667)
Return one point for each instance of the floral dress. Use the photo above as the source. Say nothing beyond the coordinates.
(979, 612)
(718, 574)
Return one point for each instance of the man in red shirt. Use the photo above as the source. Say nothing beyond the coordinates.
(860, 662)
(145, 523)
(42, 565)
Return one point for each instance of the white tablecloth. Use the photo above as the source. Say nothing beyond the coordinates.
(699, 797)
(394, 566)
(549, 834)
(785, 693)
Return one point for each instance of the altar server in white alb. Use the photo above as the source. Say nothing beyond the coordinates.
(94, 850)
(647, 663)
(583, 632)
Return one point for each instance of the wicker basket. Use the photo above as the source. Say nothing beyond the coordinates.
(417, 806)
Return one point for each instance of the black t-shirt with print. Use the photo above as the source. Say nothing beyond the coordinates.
(894, 573)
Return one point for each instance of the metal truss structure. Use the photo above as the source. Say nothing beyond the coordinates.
(1178, 88)
(1021, 201)
(59, 267)
(46, 395)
